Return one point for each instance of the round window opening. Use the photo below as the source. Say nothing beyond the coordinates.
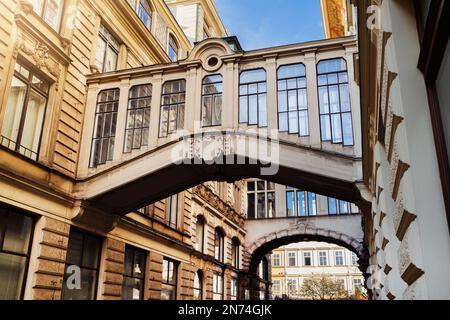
(213, 61)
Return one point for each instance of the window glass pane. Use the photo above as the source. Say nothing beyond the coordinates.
(243, 109)
(252, 76)
(34, 121)
(332, 206)
(52, 14)
(336, 127)
(301, 203)
(12, 272)
(261, 205)
(334, 99)
(292, 71)
(345, 97)
(290, 202)
(91, 252)
(100, 54)
(323, 100)
(282, 101)
(312, 205)
(271, 204)
(328, 66)
(110, 60)
(304, 124)
(325, 128)
(13, 113)
(251, 205)
(283, 122)
(18, 233)
(253, 110)
(347, 128)
(262, 100)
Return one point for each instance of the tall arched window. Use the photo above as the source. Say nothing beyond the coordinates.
(334, 100)
(235, 252)
(200, 234)
(253, 98)
(293, 100)
(172, 107)
(198, 285)
(172, 49)
(212, 101)
(219, 245)
(138, 117)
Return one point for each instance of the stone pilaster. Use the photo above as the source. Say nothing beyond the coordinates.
(48, 259)
(154, 276)
(113, 268)
(187, 282)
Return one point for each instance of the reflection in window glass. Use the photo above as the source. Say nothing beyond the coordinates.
(25, 112)
(15, 237)
(292, 100)
(169, 280)
(172, 107)
(253, 98)
(212, 101)
(334, 102)
(83, 252)
(134, 274)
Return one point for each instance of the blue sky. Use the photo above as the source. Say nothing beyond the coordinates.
(267, 23)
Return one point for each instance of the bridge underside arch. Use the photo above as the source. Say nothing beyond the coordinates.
(173, 179)
(266, 244)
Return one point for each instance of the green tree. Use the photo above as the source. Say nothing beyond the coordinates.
(323, 288)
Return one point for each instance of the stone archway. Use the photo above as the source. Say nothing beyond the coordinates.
(304, 231)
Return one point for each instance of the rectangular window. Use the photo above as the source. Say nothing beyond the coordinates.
(234, 289)
(253, 98)
(107, 52)
(300, 203)
(339, 258)
(138, 118)
(292, 259)
(292, 287)
(169, 280)
(217, 287)
(172, 211)
(104, 134)
(15, 245)
(339, 207)
(134, 274)
(261, 199)
(212, 101)
(25, 111)
(144, 13)
(323, 259)
(276, 287)
(293, 100)
(276, 260)
(83, 253)
(307, 259)
(354, 259)
(172, 107)
(50, 11)
(334, 101)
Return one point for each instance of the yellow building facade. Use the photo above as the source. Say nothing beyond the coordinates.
(47, 49)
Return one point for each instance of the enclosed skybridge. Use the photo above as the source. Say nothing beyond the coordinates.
(289, 115)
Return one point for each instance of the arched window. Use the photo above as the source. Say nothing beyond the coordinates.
(219, 244)
(253, 98)
(172, 49)
(235, 252)
(293, 100)
(200, 234)
(104, 134)
(212, 101)
(172, 107)
(334, 101)
(138, 117)
(198, 285)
